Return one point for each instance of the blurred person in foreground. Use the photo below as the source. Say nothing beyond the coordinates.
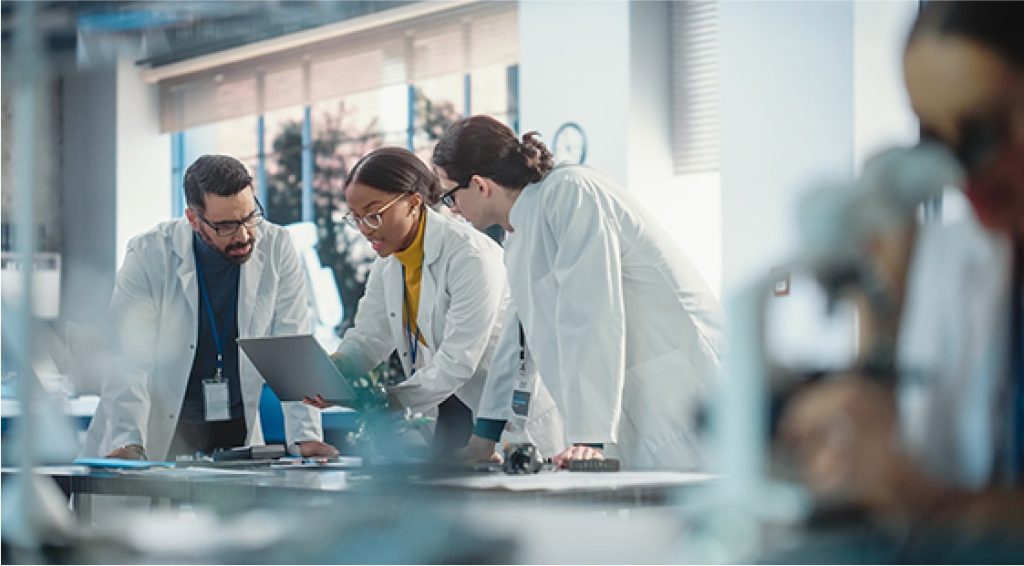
(942, 452)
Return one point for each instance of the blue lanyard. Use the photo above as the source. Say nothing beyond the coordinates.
(522, 351)
(213, 320)
(411, 339)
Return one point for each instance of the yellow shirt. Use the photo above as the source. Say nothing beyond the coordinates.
(411, 259)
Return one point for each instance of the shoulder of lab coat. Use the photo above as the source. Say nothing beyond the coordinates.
(952, 349)
(135, 305)
(135, 312)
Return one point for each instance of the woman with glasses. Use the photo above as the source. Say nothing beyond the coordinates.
(623, 330)
(436, 295)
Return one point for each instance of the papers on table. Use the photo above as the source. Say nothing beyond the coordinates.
(121, 464)
(562, 481)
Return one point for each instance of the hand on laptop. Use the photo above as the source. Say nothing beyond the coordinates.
(318, 402)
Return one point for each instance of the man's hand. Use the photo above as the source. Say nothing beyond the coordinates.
(315, 448)
(478, 450)
(577, 452)
(129, 452)
(318, 402)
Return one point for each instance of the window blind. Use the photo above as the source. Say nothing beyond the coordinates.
(395, 53)
(694, 86)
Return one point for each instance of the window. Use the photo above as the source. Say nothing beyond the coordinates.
(695, 86)
(305, 116)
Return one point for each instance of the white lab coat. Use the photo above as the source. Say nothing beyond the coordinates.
(155, 307)
(624, 332)
(953, 352)
(463, 301)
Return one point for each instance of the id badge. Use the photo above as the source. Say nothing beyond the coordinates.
(215, 400)
(521, 403)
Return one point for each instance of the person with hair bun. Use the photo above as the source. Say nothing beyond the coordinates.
(620, 326)
(437, 294)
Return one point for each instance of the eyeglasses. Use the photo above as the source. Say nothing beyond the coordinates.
(229, 228)
(374, 220)
(448, 198)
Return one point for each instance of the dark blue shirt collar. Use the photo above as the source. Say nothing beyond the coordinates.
(212, 259)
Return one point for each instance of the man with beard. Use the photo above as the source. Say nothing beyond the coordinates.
(187, 290)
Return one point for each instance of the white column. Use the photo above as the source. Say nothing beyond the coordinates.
(574, 59)
(143, 157)
(787, 121)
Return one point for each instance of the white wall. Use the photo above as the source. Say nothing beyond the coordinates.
(116, 176)
(89, 163)
(143, 157)
(786, 80)
(606, 66)
(687, 206)
(881, 108)
(574, 66)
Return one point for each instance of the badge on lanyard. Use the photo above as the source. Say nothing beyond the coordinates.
(412, 338)
(216, 399)
(521, 394)
(216, 396)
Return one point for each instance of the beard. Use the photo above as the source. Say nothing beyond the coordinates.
(225, 252)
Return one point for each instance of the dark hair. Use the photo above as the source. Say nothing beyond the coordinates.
(396, 170)
(220, 175)
(481, 145)
(997, 25)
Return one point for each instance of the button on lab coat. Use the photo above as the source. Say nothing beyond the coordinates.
(463, 300)
(155, 306)
(625, 333)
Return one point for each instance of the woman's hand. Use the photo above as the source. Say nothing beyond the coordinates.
(315, 448)
(577, 452)
(318, 402)
(479, 450)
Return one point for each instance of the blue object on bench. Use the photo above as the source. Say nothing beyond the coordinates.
(336, 423)
(271, 417)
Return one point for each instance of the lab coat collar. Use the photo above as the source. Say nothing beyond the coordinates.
(181, 239)
(524, 203)
(433, 244)
(432, 237)
(250, 281)
(181, 243)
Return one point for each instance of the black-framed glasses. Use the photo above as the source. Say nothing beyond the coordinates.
(374, 220)
(448, 198)
(229, 228)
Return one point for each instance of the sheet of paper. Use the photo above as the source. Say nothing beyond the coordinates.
(568, 481)
(120, 463)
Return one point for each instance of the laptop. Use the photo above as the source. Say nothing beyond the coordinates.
(296, 367)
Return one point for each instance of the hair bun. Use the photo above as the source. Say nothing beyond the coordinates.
(536, 157)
